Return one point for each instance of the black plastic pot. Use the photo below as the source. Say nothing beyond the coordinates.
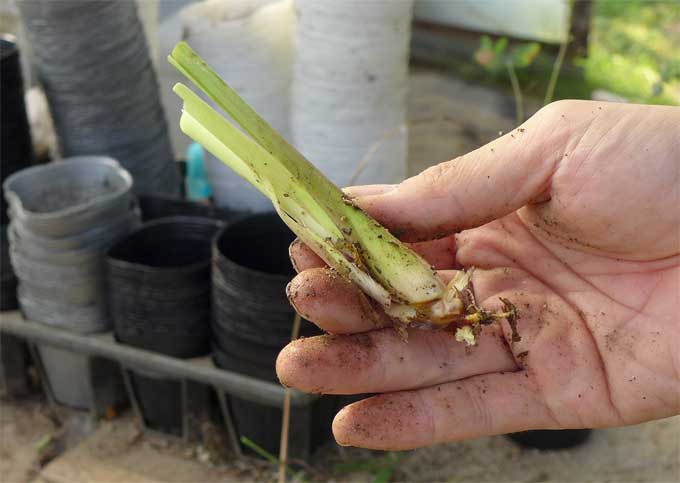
(261, 424)
(159, 286)
(251, 269)
(159, 297)
(225, 325)
(310, 425)
(252, 322)
(160, 402)
(263, 369)
(252, 318)
(154, 207)
(551, 439)
(8, 294)
(16, 148)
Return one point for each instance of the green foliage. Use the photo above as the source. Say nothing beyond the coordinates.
(523, 55)
(496, 56)
(382, 469)
(635, 50)
(297, 475)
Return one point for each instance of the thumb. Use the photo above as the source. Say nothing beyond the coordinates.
(476, 188)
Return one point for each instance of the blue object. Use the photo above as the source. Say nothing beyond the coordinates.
(197, 184)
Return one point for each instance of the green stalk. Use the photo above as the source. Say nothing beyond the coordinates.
(385, 257)
(517, 92)
(316, 210)
(295, 205)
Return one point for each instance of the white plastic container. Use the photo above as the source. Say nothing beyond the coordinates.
(348, 107)
(67, 375)
(249, 44)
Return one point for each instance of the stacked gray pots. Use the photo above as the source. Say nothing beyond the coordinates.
(64, 216)
(93, 61)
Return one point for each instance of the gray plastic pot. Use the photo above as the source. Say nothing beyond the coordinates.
(67, 376)
(99, 112)
(78, 284)
(51, 274)
(69, 196)
(88, 292)
(72, 247)
(85, 319)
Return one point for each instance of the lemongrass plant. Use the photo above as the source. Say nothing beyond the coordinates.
(321, 215)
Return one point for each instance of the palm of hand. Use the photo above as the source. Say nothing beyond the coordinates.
(602, 276)
(593, 329)
(591, 260)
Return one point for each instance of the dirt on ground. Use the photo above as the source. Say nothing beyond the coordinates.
(24, 429)
(647, 452)
(33, 449)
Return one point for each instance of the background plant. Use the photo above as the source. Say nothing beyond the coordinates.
(498, 59)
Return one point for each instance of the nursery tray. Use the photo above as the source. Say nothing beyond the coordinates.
(199, 369)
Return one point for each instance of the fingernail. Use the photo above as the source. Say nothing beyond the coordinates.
(290, 254)
(289, 295)
(369, 190)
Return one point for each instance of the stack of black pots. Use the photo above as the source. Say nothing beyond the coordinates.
(252, 318)
(16, 152)
(159, 298)
(154, 207)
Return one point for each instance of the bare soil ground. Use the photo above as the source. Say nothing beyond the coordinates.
(644, 453)
(118, 452)
(22, 426)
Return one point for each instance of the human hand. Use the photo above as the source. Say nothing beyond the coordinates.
(574, 217)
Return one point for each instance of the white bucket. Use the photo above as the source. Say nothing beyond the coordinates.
(249, 44)
(348, 105)
(230, 190)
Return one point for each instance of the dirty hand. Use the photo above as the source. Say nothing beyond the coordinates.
(574, 217)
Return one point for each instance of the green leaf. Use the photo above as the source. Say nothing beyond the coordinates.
(501, 45)
(270, 457)
(486, 44)
(485, 55)
(384, 475)
(524, 55)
